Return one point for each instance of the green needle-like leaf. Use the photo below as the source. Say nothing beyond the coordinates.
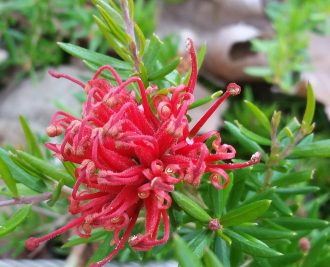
(293, 178)
(210, 259)
(205, 100)
(247, 143)
(265, 233)
(191, 207)
(96, 235)
(14, 221)
(259, 115)
(310, 107)
(30, 138)
(219, 197)
(297, 190)
(246, 213)
(20, 175)
(161, 73)
(46, 168)
(252, 246)
(184, 255)
(280, 205)
(5, 174)
(94, 57)
(253, 136)
(318, 149)
(297, 223)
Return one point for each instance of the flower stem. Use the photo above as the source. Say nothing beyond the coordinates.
(26, 200)
(130, 31)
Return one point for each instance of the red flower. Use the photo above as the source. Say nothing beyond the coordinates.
(131, 153)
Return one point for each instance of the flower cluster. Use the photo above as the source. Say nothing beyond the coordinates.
(131, 148)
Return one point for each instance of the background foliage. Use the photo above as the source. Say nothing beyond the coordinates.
(267, 212)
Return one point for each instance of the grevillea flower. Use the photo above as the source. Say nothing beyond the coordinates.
(131, 148)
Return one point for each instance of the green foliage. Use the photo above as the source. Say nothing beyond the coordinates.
(30, 29)
(17, 218)
(286, 53)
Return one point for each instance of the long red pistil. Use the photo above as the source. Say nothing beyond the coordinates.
(232, 89)
(256, 157)
(59, 75)
(121, 242)
(193, 75)
(33, 242)
(109, 68)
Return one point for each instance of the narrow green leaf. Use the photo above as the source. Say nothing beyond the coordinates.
(205, 100)
(315, 252)
(191, 207)
(221, 250)
(46, 168)
(224, 237)
(153, 46)
(253, 248)
(56, 194)
(280, 205)
(293, 126)
(113, 27)
(253, 136)
(143, 74)
(310, 107)
(219, 197)
(293, 178)
(301, 190)
(96, 235)
(5, 174)
(259, 115)
(201, 55)
(245, 213)
(210, 259)
(31, 140)
(236, 193)
(141, 39)
(287, 259)
(131, 9)
(236, 255)
(115, 44)
(112, 12)
(318, 149)
(266, 233)
(199, 242)
(35, 183)
(70, 168)
(161, 73)
(247, 143)
(94, 57)
(298, 223)
(18, 218)
(263, 195)
(184, 255)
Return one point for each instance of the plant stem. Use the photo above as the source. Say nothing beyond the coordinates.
(130, 31)
(276, 155)
(26, 200)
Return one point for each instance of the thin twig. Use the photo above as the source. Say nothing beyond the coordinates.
(130, 31)
(26, 200)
